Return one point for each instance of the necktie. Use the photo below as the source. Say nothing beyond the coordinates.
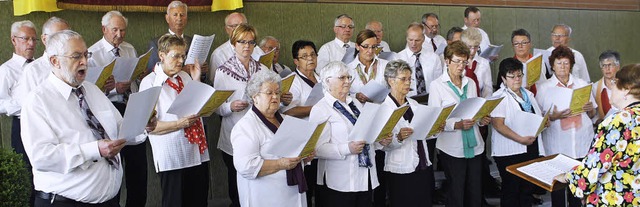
(96, 128)
(195, 132)
(116, 51)
(421, 85)
(346, 45)
(470, 72)
(434, 45)
(573, 121)
(363, 157)
(604, 98)
(29, 60)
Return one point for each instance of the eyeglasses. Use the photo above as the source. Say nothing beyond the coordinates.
(344, 78)
(309, 56)
(369, 46)
(404, 79)
(27, 39)
(609, 65)
(178, 56)
(250, 42)
(270, 93)
(518, 44)
(514, 76)
(78, 56)
(432, 27)
(345, 26)
(558, 35)
(458, 62)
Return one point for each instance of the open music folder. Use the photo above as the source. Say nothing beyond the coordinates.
(542, 171)
(198, 98)
(295, 138)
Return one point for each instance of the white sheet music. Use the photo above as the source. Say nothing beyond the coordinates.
(349, 56)
(375, 91)
(526, 124)
(467, 108)
(315, 95)
(200, 47)
(546, 170)
(291, 137)
(139, 109)
(193, 96)
(492, 50)
(370, 122)
(123, 69)
(423, 119)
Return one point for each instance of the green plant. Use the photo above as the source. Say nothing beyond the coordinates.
(15, 185)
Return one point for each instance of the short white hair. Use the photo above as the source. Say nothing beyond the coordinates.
(259, 78)
(176, 4)
(566, 28)
(111, 14)
(333, 69)
(46, 27)
(267, 38)
(57, 41)
(336, 22)
(15, 27)
(369, 24)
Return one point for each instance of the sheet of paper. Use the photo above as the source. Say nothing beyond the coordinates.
(560, 97)
(200, 47)
(123, 69)
(525, 123)
(217, 98)
(423, 117)
(290, 138)
(487, 107)
(375, 91)
(545, 56)
(285, 73)
(441, 119)
(285, 85)
(267, 59)
(349, 56)
(545, 171)
(492, 50)
(532, 70)
(315, 95)
(387, 55)
(104, 75)
(391, 122)
(467, 108)
(139, 108)
(579, 98)
(192, 98)
(368, 125)
(441, 48)
(141, 67)
(313, 140)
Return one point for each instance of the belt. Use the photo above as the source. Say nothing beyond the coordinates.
(53, 197)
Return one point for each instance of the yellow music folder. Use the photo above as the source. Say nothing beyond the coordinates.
(392, 122)
(217, 98)
(267, 59)
(285, 86)
(378, 50)
(533, 68)
(487, 108)
(545, 119)
(442, 118)
(313, 140)
(579, 98)
(104, 75)
(141, 66)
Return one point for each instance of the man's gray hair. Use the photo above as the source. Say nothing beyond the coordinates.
(333, 69)
(111, 14)
(368, 25)
(226, 18)
(566, 27)
(15, 27)
(259, 78)
(57, 41)
(337, 21)
(267, 38)
(176, 4)
(46, 27)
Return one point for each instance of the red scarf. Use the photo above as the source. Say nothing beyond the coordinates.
(195, 132)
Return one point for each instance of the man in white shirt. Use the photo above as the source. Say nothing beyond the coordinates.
(472, 18)
(432, 38)
(176, 18)
(268, 44)
(561, 35)
(334, 50)
(70, 132)
(376, 27)
(601, 89)
(24, 40)
(430, 65)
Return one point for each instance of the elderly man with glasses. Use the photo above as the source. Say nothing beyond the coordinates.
(334, 50)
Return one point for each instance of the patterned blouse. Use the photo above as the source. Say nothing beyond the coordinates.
(610, 173)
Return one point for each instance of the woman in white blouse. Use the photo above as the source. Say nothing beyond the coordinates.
(460, 143)
(410, 175)
(569, 133)
(478, 68)
(366, 66)
(234, 75)
(346, 169)
(306, 60)
(263, 179)
(509, 147)
(179, 144)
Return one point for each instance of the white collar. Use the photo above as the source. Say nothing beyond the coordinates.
(161, 76)
(62, 87)
(173, 33)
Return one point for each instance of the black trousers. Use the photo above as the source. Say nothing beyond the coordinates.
(16, 144)
(464, 180)
(515, 190)
(413, 189)
(232, 179)
(40, 202)
(333, 198)
(134, 159)
(380, 193)
(310, 174)
(188, 187)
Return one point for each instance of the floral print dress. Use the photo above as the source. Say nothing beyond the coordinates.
(610, 173)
